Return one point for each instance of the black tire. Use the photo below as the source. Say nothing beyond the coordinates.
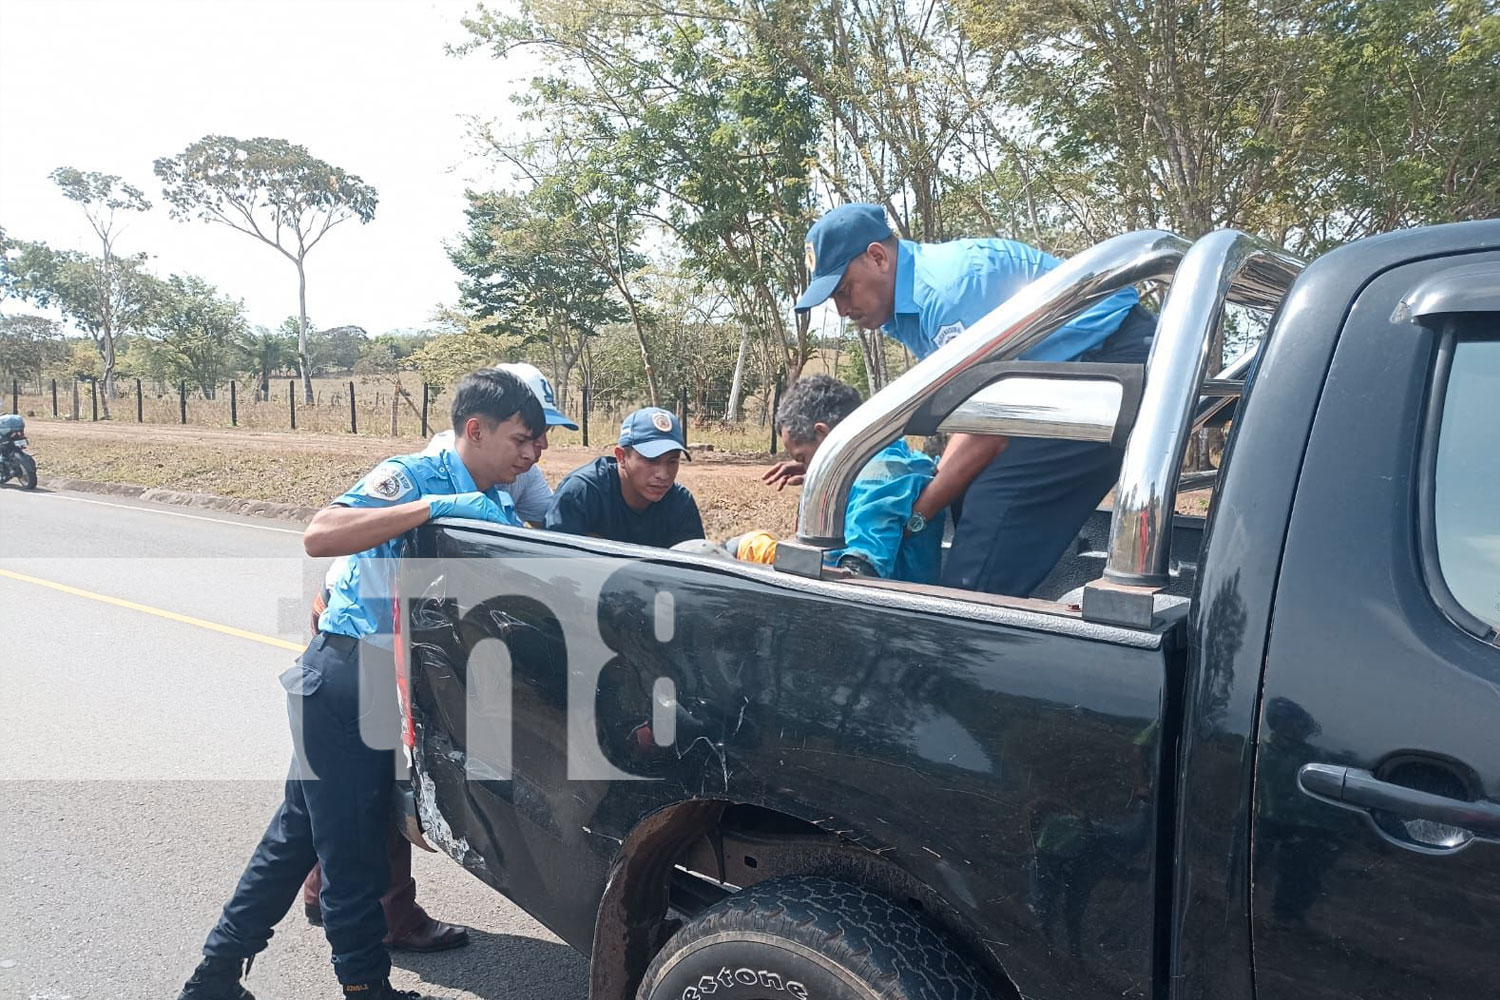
(801, 938)
(28, 470)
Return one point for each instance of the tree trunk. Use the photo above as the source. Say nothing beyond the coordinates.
(107, 333)
(109, 371)
(872, 355)
(635, 319)
(302, 333)
(732, 410)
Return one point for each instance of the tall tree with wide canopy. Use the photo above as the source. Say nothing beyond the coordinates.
(273, 190)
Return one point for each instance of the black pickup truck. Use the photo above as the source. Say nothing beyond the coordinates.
(1256, 756)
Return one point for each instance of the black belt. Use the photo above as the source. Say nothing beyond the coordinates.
(337, 641)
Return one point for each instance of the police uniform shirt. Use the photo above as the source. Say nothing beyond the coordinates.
(365, 610)
(589, 502)
(530, 493)
(944, 288)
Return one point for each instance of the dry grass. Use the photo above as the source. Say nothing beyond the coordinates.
(378, 413)
(310, 469)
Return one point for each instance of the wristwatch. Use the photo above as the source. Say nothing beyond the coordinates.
(916, 524)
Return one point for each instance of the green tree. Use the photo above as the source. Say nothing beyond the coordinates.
(102, 196)
(1409, 121)
(196, 332)
(526, 273)
(71, 282)
(29, 344)
(272, 190)
(704, 133)
(1307, 122)
(267, 352)
(448, 357)
(342, 346)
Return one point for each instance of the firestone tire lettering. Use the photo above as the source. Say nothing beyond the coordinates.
(745, 977)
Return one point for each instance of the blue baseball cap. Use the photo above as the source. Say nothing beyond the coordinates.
(653, 432)
(835, 240)
(542, 390)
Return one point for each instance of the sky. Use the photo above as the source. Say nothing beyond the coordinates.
(363, 84)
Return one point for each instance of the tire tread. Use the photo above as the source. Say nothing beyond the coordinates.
(898, 952)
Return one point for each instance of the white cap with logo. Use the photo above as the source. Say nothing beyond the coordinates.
(533, 377)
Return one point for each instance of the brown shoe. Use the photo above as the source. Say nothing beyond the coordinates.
(314, 914)
(434, 935)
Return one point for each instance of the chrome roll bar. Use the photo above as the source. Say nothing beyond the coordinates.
(1016, 325)
(1224, 266)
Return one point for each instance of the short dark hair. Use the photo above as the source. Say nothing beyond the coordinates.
(496, 396)
(817, 399)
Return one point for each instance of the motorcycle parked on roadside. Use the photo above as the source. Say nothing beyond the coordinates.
(15, 463)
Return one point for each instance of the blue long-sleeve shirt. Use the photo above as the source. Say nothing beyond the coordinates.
(880, 503)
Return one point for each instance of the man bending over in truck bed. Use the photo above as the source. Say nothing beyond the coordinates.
(632, 495)
(883, 534)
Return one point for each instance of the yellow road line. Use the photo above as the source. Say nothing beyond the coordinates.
(240, 633)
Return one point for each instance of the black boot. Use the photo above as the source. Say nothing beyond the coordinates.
(382, 990)
(216, 979)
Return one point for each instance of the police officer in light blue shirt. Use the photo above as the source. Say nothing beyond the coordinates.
(530, 492)
(336, 809)
(1020, 502)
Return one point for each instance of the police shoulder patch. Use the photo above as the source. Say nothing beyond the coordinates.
(388, 481)
(947, 333)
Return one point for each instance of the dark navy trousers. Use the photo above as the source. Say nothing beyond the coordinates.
(1020, 514)
(336, 810)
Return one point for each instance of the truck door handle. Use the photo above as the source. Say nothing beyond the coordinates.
(1358, 789)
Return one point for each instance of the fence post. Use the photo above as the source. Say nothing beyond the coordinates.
(424, 408)
(682, 413)
(234, 405)
(291, 395)
(585, 414)
(54, 397)
(140, 408)
(75, 400)
(15, 395)
(182, 398)
(353, 420)
(94, 397)
(775, 405)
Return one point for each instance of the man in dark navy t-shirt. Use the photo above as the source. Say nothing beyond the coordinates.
(632, 496)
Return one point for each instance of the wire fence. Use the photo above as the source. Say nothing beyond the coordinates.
(383, 409)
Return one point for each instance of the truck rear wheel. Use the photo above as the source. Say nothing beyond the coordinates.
(809, 939)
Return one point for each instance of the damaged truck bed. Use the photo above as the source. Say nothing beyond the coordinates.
(718, 778)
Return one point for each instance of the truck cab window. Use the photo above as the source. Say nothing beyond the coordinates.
(1466, 513)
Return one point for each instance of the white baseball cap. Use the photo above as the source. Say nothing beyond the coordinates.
(533, 377)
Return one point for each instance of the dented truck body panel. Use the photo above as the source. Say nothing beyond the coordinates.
(1033, 760)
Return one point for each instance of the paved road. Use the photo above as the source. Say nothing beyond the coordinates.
(145, 744)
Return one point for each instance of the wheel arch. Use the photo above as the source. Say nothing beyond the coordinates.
(738, 845)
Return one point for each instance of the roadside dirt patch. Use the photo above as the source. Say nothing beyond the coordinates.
(308, 470)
